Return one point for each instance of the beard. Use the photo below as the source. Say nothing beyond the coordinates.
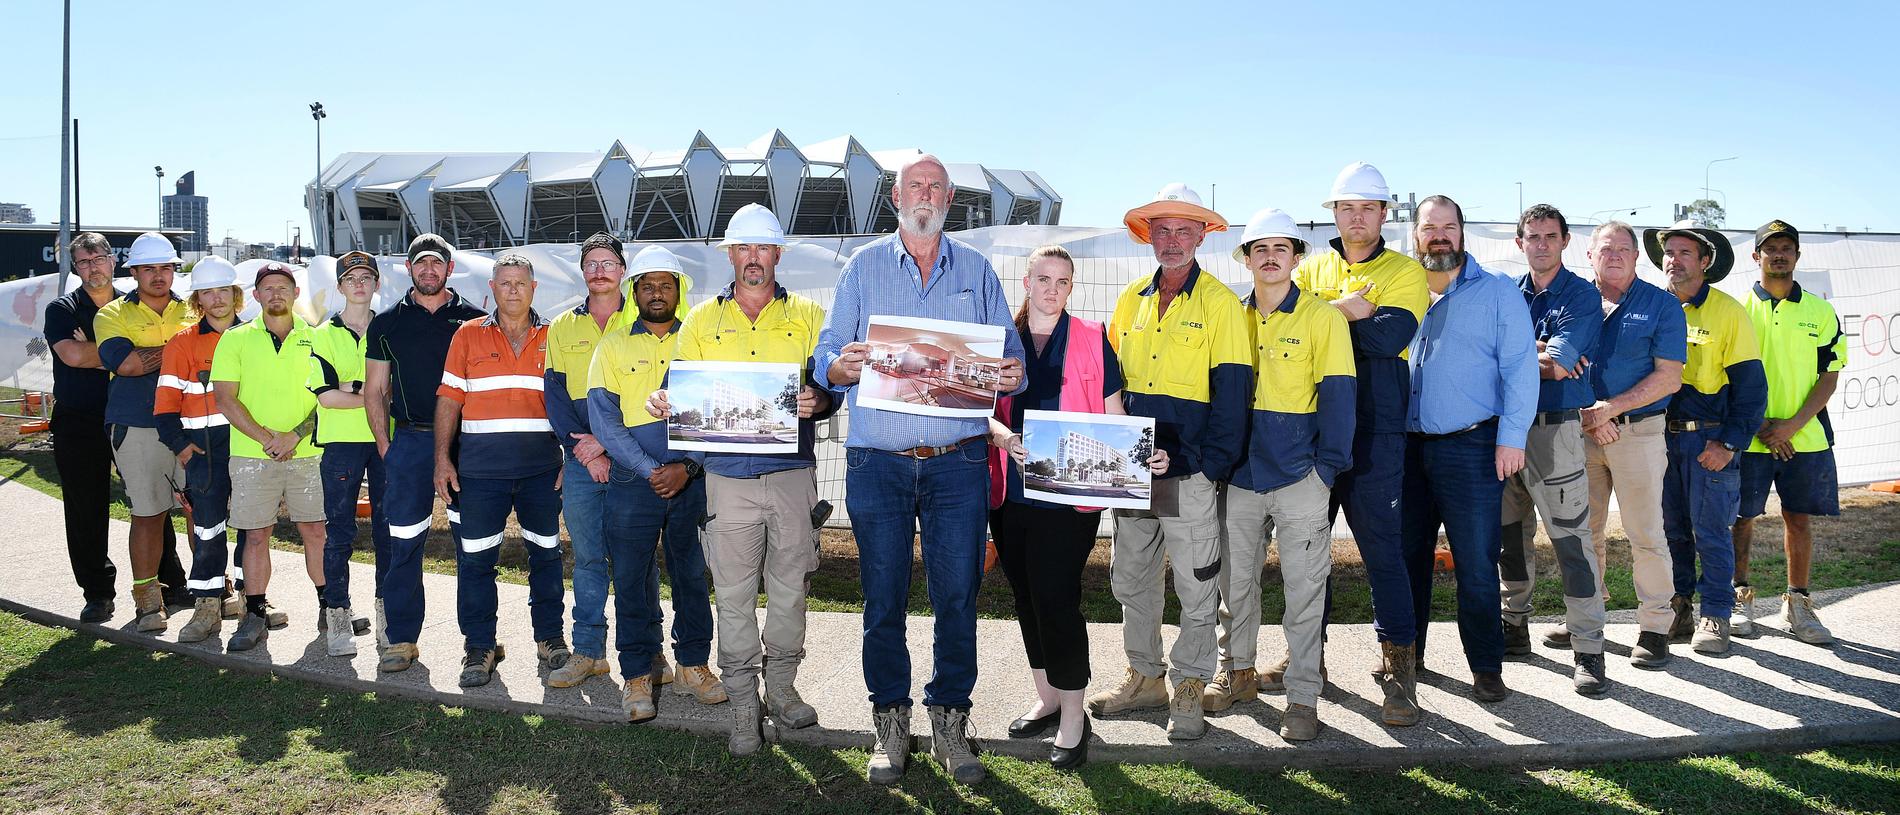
(277, 309)
(431, 288)
(1441, 256)
(925, 224)
(656, 313)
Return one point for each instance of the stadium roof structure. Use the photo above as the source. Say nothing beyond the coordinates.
(379, 201)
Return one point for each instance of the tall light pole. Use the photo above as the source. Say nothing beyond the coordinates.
(1520, 198)
(317, 208)
(1705, 175)
(65, 149)
(160, 171)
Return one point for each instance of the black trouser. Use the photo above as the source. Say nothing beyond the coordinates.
(83, 456)
(1042, 552)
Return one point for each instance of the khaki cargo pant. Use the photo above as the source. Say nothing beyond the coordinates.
(759, 530)
(1301, 513)
(1633, 467)
(1184, 527)
(1553, 484)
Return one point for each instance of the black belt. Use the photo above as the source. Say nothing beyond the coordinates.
(426, 427)
(1558, 416)
(924, 451)
(1627, 419)
(1690, 426)
(1459, 432)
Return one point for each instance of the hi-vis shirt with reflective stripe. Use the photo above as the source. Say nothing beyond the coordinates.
(1191, 369)
(1800, 339)
(1379, 342)
(786, 331)
(183, 404)
(121, 326)
(1302, 417)
(505, 430)
(1722, 381)
(628, 367)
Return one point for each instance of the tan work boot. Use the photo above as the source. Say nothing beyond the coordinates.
(1797, 612)
(892, 753)
(1398, 678)
(553, 652)
(148, 599)
(577, 670)
(398, 657)
(1186, 720)
(745, 739)
(1136, 692)
(478, 665)
(786, 708)
(1301, 723)
(699, 682)
(207, 618)
(662, 670)
(1741, 618)
(1228, 687)
(233, 606)
(1273, 679)
(636, 699)
(951, 745)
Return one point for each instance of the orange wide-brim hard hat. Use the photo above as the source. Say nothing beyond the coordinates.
(1137, 219)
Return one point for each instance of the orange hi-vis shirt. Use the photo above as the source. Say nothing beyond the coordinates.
(504, 429)
(184, 390)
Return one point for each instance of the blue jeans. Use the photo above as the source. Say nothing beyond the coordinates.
(1370, 494)
(208, 489)
(477, 517)
(1698, 507)
(344, 465)
(888, 495)
(584, 506)
(1453, 480)
(410, 494)
(637, 521)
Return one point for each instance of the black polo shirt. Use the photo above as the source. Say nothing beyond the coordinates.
(75, 390)
(415, 343)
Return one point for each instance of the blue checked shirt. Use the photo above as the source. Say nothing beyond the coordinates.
(882, 279)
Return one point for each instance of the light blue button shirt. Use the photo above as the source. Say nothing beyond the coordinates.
(882, 279)
(1474, 357)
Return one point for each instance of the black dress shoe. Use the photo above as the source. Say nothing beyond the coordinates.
(1027, 728)
(1069, 758)
(96, 611)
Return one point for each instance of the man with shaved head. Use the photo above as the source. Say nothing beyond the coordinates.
(906, 472)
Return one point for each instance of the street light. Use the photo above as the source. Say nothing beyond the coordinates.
(1632, 211)
(1705, 175)
(323, 227)
(161, 194)
(1520, 197)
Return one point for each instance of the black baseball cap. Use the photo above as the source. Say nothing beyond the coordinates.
(429, 242)
(1774, 228)
(351, 261)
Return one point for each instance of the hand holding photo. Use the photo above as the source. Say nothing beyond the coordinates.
(931, 367)
(733, 407)
(1088, 459)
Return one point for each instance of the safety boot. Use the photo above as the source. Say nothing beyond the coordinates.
(892, 752)
(1398, 679)
(1797, 612)
(148, 599)
(950, 744)
(1228, 687)
(699, 682)
(578, 669)
(1136, 692)
(1186, 719)
(207, 618)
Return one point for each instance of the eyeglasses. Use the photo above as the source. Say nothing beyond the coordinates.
(101, 260)
(602, 266)
(356, 279)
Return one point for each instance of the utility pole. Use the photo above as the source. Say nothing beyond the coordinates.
(65, 149)
(1520, 199)
(160, 171)
(1705, 174)
(318, 210)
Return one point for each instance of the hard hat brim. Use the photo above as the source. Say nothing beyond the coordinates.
(760, 240)
(1354, 196)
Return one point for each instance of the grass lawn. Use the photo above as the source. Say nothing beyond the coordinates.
(87, 726)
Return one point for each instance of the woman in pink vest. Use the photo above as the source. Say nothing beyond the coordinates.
(1041, 546)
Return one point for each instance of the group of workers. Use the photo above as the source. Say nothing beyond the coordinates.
(1414, 391)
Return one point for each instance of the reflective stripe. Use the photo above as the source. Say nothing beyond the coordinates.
(496, 383)
(202, 532)
(506, 426)
(194, 388)
(202, 422)
(237, 572)
(207, 584)
(454, 381)
(409, 530)
(481, 544)
(543, 541)
(455, 515)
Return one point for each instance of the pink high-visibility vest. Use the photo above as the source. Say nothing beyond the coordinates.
(1082, 379)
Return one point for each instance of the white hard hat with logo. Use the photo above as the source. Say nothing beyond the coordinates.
(1359, 182)
(211, 273)
(1269, 223)
(753, 224)
(152, 249)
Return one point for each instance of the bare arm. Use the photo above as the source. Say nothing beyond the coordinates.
(338, 400)
(376, 401)
(78, 353)
(448, 419)
(140, 362)
(1664, 380)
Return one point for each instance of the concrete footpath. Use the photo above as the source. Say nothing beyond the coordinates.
(1769, 692)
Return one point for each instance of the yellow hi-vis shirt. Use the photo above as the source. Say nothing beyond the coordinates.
(718, 330)
(1722, 380)
(573, 337)
(1189, 369)
(1380, 342)
(337, 357)
(631, 363)
(1302, 418)
(273, 381)
(1800, 339)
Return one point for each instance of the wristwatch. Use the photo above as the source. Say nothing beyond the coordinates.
(1729, 447)
(693, 470)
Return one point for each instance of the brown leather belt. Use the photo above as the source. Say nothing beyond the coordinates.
(922, 452)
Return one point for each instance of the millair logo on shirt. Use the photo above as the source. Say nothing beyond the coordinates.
(1639, 318)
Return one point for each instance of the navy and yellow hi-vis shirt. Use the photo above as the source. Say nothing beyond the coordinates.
(1190, 370)
(1304, 387)
(572, 340)
(1399, 297)
(121, 327)
(628, 366)
(1722, 380)
(339, 356)
(786, 331)
(1801, 339)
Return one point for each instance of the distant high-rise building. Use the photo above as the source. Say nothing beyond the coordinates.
(16, 214)
(188, 211)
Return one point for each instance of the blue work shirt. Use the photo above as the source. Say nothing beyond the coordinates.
(1565, 316)
(1474, 359)
(882, 279)
(1646, 325)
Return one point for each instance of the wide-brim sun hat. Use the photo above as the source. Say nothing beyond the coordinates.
(1173, 201)
(1713, 241)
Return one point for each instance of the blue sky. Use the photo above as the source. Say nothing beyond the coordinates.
(1592, 109)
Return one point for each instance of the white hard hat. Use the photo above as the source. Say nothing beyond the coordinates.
(1359, 182)
(211, 273)
(656, 258)
(1269, 223)
(152, 249)
(753, 224)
